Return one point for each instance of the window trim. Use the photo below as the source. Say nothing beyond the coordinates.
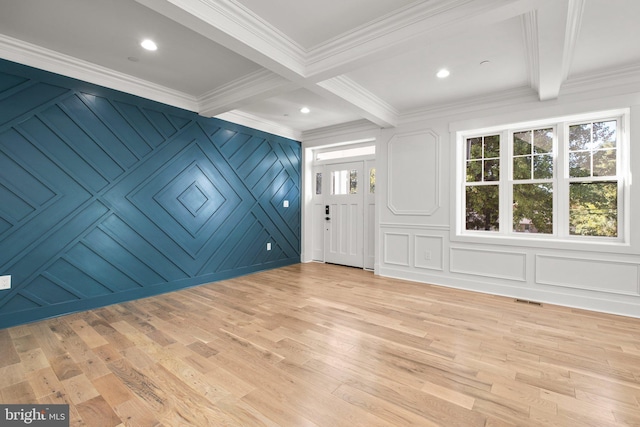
(560, 236)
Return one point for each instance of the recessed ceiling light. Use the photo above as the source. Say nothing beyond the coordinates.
(443, 73)
(305, 110)
(149, 44)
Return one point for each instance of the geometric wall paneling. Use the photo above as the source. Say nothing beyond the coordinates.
(494, 264)
(106, 197)
(615, 277)
(413, 180)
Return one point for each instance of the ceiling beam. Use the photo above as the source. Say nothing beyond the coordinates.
(235, 27)
(551, 51)
(370, 106)
(322, 70)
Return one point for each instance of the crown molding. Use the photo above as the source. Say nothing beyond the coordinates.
(35, 56)
(255, 86)
(255, 122)
(482, 102)
(371, 107)
(357, 127)
(623, 77)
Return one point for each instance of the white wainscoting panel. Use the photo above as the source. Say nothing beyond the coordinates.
(496, 264)
(413, 181)
(396, 248)
(596, 275)
(428, 252)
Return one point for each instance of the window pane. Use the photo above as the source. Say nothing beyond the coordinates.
(319, 183)
(604, 134)
(522, 143)
(491, 146)
(543, 141)
(604, 163)
(543, 166)
(353, 182)
(533, 208)
(339, 182)
(579, 164)
(580, 137)
(474, 171)
(372, 180)
(474, 148)
(492, 170)
(522, 167)
(482, 207)
(593, 209)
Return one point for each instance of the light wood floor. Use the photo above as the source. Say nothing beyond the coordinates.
(324, 345)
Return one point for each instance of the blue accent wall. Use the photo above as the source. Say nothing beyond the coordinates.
(107, 197)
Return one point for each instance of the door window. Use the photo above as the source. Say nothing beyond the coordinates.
(344, 182)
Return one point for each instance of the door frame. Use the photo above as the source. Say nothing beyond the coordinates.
(313, 207)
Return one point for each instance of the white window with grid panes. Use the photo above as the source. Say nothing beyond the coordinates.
(556, 179)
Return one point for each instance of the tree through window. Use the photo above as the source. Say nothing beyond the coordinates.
(560, 179)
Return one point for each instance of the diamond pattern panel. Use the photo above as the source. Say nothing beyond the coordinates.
(106, 197)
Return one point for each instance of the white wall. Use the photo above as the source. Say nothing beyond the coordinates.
(415, 202)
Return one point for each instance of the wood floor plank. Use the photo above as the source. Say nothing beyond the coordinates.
(97, 411)
(324, 345)
(8, 353)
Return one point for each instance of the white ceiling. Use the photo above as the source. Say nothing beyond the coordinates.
(258, 62)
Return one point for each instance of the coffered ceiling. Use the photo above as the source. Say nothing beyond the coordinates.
(258, 62)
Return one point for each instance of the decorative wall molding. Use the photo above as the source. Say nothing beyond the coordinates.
(435, 261)
(615, 277)
(107, 197)
(487, 263)
(620, 305)
(395, 184)
(397, 252)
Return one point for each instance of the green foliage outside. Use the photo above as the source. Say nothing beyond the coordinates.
(592, 204)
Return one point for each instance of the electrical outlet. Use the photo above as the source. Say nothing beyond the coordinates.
(268, 246)
(427, 255)
(5, 282)
(285, 204)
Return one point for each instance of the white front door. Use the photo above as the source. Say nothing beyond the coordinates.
(344, 214)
